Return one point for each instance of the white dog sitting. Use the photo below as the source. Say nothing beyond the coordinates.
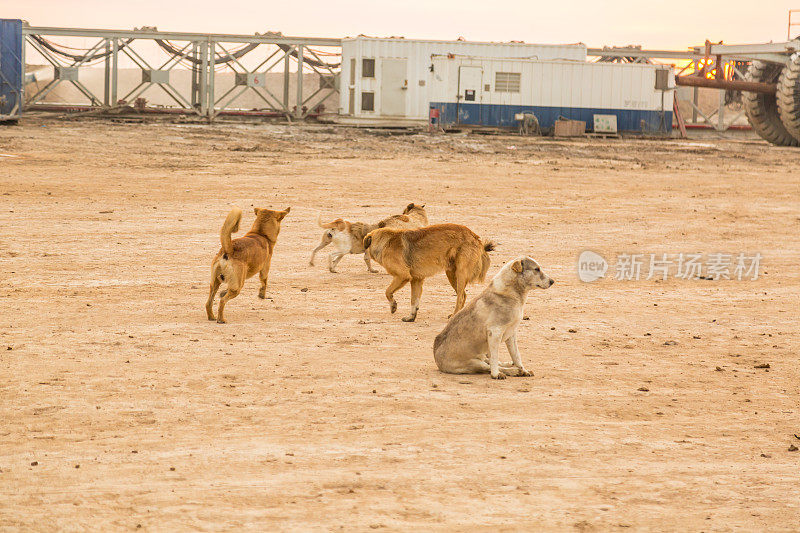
(473, 335)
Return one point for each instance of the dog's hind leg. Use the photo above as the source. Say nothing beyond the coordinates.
(451, 277)
(394, 286)
(461, 292)
(314, 253)
(470, 366)
(416, 294)
(326, 240)
(474, 366)
(235, 284)
(511, 344)
(215, 283)
(462, 273)
(369, 265)
(230, 294)
(333, 260)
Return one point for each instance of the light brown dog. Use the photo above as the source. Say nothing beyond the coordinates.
(242, 258)
(470, 342)
(348, 237)
(413, 255)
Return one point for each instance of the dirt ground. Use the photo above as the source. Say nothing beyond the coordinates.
(122, 407)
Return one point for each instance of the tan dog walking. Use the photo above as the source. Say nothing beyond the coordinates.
(413, 255)
(244, 257)
(348, 237)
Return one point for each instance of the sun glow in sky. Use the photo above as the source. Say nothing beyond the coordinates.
(673, 25)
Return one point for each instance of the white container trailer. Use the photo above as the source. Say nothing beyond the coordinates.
(490, 92)
(390, 78)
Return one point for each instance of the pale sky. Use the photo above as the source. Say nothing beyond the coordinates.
(674, 25)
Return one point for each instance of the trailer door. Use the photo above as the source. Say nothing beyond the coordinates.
(470, 94)
(394, 87)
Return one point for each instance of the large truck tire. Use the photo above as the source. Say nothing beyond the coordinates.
(762, 109)
(789, 96)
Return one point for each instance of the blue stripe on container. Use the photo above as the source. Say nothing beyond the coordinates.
(503, 116)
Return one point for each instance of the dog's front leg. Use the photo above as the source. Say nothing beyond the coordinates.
(495, 336)
(263, 276)
(511, 344)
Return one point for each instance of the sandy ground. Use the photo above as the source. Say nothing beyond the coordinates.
(122, 407)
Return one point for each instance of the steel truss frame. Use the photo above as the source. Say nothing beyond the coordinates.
(206, 53)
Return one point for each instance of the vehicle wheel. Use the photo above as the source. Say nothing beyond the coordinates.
(789, 96)
(762, 109)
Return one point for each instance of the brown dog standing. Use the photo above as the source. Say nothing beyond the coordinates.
(242, 258)
(413, 255)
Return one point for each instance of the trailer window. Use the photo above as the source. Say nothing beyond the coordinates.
(367, 101)
(507, 82)
(367, 68)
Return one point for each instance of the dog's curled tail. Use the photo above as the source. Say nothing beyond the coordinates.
(488, 246)
(231, 225)
(367, 241)
(338, 224)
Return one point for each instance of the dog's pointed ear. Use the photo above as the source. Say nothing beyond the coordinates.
(367, 241)
(516, 266)
(422, 206)
(282, 214)
(256, 210)
(409, 207)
